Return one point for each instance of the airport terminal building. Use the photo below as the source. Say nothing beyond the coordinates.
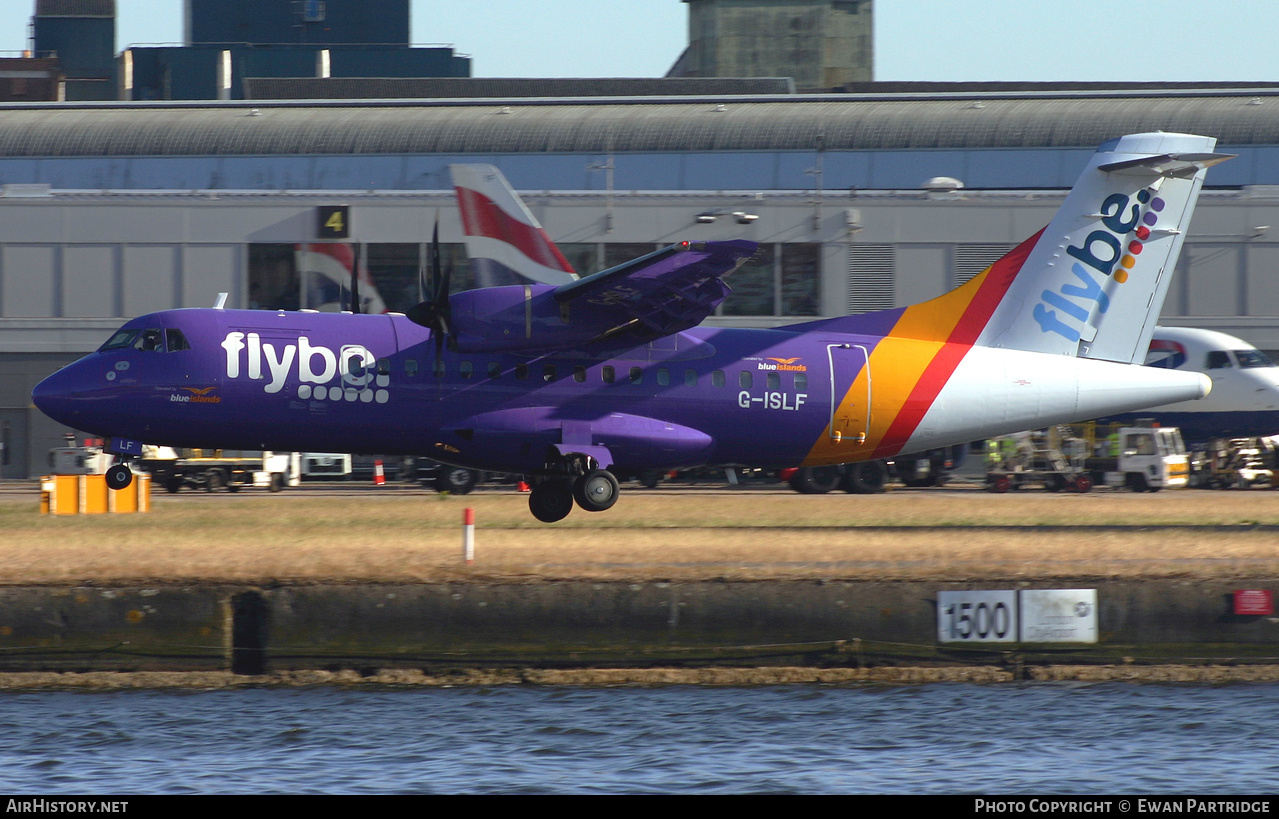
(861, 201)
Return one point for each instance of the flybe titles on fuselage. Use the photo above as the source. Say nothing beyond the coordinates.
(320, 373)
(1101, 264)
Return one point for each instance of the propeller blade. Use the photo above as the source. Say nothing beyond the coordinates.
(435, 264)
(433, 312)
(355, 284)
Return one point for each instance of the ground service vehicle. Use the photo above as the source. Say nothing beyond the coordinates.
(216, 469)
(1081, 456)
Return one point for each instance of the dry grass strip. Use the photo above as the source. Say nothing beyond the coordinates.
(406, 537)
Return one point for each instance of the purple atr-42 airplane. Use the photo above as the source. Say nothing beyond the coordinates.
(570, 380)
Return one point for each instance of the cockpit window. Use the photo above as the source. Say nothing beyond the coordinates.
(176, 340)
(150, 339)
(1252, 358)
(1217, 359)
(121, 339)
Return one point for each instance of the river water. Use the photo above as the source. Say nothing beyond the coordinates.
(1023, 738)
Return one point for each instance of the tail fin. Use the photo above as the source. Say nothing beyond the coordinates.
(1093, 283)
(505, 243)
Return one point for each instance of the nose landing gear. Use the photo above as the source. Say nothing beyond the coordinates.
(119, 476)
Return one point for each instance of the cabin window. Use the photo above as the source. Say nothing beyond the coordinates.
(1141, 443)
(608, 374)
(548, 373)
(521, 371)
(1217, 359)
(636, 375)
(801, 382)
(410, 367)
(717, 378)
(465, 369)
(355, 365)
(579, 373)
(772, 381)
(663, 377)
(176, 341)
(690, 378)
(744, 378)
(384, 366)
(494, 369)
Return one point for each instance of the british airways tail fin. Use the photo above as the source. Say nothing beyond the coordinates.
(1093, 282)
(505, 243)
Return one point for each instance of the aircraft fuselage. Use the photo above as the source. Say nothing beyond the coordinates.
(250, 379)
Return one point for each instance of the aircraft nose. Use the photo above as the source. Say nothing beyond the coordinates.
(56, 396)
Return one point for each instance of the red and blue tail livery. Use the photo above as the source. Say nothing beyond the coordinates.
(573, 381)
(504, 241)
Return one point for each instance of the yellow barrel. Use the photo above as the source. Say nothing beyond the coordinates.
(66, 494)
(136, 497)
(94, 497)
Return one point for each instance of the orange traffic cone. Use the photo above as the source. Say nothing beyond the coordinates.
(379, 476)
(522, 487)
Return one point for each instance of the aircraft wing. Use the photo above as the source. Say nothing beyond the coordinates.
(656, 295)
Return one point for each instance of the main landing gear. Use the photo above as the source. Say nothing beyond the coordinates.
(552, 499)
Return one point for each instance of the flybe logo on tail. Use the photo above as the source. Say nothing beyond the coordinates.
(347, 375)
(1102, 262)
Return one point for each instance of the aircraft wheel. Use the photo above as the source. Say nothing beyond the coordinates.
(455, 480)
(119, 476)
(551, 500)
(596, 491)
(866, 477)
(815, 480)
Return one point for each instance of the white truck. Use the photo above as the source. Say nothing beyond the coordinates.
(211, 470)
(1081, 456)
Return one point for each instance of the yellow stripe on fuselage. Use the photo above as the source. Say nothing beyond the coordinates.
(897, 363)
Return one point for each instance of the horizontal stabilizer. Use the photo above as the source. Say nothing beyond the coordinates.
(1172, 165)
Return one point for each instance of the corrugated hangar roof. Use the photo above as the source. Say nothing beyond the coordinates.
(689, 124)
(364, 88)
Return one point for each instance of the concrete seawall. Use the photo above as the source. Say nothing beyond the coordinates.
(852, 627)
